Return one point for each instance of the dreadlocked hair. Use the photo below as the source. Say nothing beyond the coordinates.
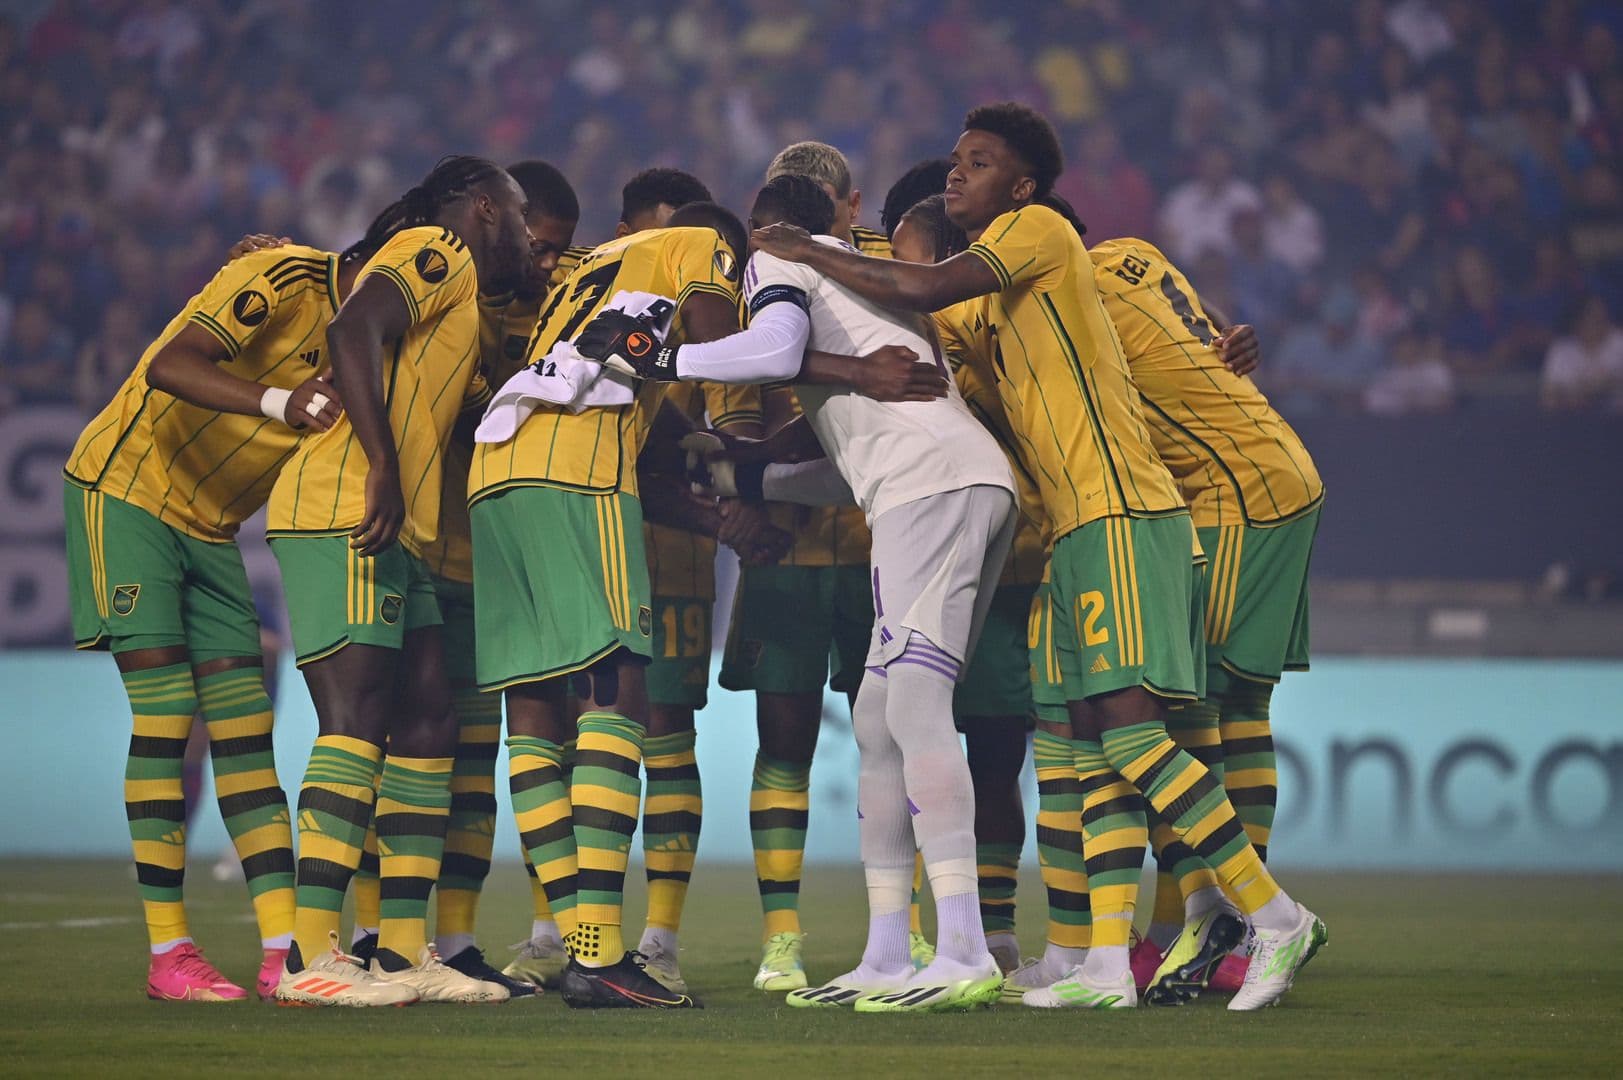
(1062, 206)
(450, 180)
(930, 214)
(927, 178)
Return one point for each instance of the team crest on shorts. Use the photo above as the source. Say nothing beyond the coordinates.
(391, 608)
(645, 621)
(124, 598)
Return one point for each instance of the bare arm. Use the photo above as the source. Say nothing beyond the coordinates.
(188, 366)
(374, 314)
(911, 286)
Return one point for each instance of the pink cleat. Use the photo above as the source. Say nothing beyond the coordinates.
(270, 973)
(1145, 960)
(1229, 975)
(181, 974)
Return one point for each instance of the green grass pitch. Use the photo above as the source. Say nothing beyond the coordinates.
(1423, 975)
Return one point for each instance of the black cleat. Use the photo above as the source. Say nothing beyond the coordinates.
(364, 949)
(624, 985)
(471, 962)
(1193, 957)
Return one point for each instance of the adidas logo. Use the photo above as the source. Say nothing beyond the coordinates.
(308, 822)
(1100, 665)
(313, 357)
(177, 838)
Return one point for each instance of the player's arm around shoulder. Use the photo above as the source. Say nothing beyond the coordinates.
(911, 286)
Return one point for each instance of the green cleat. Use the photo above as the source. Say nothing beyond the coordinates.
(780, 963)
(540, 962)
(1077, 992)
(977, 990)
(1276, 957)
(921, 949)
(845, 990)
(1188, 965)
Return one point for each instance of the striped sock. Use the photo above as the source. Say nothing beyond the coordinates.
(471, 833)
(365, 886)
(538, 891)
(672, 813)
(414, 805)
(252, 802)
(1113, 838)
(1252, 779)
(780, 802)
(1059, 841)
(542, 813)
(915, 922)
(997, 869)
(1193, 806)
(1193, 728)
(162, 702)
(605, 792)
(335, 806)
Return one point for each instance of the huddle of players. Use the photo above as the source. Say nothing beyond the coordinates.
(1104, 381)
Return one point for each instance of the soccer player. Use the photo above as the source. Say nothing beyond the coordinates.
(348, 520)
(155, 490)
(1122, 535)
(824, 579)
(939, 499)
(1255, 496)
(992, 705)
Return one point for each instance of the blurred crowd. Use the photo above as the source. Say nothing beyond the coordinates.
(1419, 203)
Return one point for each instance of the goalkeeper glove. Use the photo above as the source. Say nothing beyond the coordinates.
(628, 344)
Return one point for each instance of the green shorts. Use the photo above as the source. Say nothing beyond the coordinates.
(679, 674)
(1197, 624)
(560, 580)
(456, 610)
(997, 681)
(795, 627)
(1257, 604)
(137, 583)
(336, 597)
(1121, 607)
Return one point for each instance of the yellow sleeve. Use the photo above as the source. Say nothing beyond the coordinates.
(242, 298)
(699, 260)
(432, 268)
(1025, 246)
(727, 404)
(566, 265)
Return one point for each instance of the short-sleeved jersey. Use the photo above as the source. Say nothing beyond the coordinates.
(683, 563)
(595, 450)
(1234, 457)
(871, 242)
(1063, 379)
(966, 341)
(429, 376)
(201, 470)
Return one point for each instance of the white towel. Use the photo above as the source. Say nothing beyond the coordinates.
(566, 378)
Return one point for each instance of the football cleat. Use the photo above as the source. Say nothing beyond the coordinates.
(471, 962)
(781, 968)
(1229, 975)
(1034, 973)
(1276, 957)
(364, 947)
(922, 951)
(661, 966)
(270, 973)
(942, 987)
(435, 981)
(181, 974)
(540, 961)
(846, 989)
(624, 985)
(1199, 949)
(339, 979)
(1145, 961)
(1077, 992)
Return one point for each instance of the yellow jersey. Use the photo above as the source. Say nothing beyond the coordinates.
(683, 563)
(595, 450)
(1063, 378)
(429, 376)
(1235, 459)
(966, 341)
(197, 469)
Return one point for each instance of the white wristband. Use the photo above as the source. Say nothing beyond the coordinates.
(274, 403)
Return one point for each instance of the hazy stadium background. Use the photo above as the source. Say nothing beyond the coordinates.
(1419, 204)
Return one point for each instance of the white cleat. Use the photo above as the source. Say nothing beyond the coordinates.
(1034, 973)
(341, 980)
(1077, 992)
(435, 982)
(1276, 957)
(844, 990)
(661, 966)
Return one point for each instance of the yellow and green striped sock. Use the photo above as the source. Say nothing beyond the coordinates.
(335, 807)
(252, 802)
(997, 876)
(541, 811)
(1251, 779)
(672, 814)
(1194, 806)
(1113, 838)
(605, 793)
(414, 806)
(1193, 728)
(162, 703)
(1059, 841)
(780, 802)
(915, 922)
(471, 833)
